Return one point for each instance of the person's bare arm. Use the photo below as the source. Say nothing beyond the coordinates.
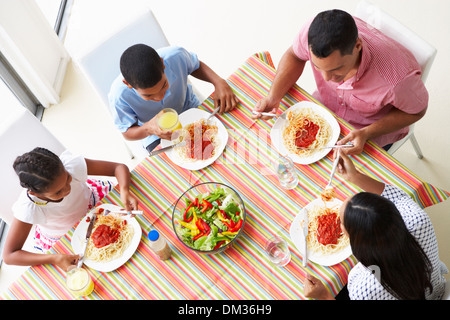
(13, 253)
(224, 96)
(289, 71)
(394, 120)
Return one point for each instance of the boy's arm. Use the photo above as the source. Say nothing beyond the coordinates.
(224, 96)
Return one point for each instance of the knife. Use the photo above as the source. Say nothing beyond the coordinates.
(154, 153)
(212, 114)
(123, 211)
(305, 234)
(88, 235)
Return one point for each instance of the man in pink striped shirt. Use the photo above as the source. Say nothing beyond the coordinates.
(363, 76)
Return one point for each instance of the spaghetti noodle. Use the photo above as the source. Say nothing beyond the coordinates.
(328, 194)
(110, 238)
(324, 232)
(202, 141)
(305, 129)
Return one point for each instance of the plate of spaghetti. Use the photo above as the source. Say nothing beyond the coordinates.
(327, 244)
(205, 140)
(307, 125)
(113, 241)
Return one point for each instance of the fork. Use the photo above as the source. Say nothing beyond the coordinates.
(347, 145)
(333, 170)
(212, 114)
(282, 116)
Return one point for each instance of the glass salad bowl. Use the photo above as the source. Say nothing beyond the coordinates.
(209, 217)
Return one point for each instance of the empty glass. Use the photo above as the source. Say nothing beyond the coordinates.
(285, 171)
(277, 251)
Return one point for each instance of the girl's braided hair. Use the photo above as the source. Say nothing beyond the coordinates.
(38, 169)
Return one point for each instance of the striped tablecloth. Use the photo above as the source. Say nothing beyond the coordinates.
(242, 271)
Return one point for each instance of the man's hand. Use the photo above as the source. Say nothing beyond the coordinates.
(266, 104)
(358, 137)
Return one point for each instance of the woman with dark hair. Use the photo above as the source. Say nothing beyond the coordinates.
(393, 240)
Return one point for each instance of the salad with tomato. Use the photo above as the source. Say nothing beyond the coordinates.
(211, 220)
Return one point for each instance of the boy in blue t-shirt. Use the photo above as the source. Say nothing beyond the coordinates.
(152, 80)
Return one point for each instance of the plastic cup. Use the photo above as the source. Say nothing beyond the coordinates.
(168, 120)
(79, 282)
(277, 250)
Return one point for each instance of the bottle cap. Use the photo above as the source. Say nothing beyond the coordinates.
(153, 235)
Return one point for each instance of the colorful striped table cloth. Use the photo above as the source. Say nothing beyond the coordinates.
(242, 271)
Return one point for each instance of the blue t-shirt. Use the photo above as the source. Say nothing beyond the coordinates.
(128, 108)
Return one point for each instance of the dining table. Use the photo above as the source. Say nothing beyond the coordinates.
(243, 271)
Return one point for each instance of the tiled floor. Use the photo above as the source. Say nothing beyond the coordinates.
(224, 34)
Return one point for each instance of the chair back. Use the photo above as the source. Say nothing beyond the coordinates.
(20, 132)
(446, 295)
(101, 63)
(377, 18)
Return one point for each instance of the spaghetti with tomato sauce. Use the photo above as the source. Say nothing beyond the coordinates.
(104, 235)
(201, 141)
(325, 235)
(305, 129)
(306, 135)
(111, 236)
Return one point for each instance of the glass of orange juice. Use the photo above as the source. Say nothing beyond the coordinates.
(79, 282)
(168, 120)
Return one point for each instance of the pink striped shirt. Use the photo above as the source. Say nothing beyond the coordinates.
(388, 75)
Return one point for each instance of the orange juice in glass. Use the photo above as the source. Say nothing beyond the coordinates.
(79, 282)
(168, 120)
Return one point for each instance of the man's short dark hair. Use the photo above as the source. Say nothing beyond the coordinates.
(332, 30)
(141, 66)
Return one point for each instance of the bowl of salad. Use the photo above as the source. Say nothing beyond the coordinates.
(209, 217)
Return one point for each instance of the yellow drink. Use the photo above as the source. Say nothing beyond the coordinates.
(168, 120)
(79, 282)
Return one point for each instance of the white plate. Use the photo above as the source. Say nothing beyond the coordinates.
(80, 233)
(191, 116)
(276, 134)
(296, 232)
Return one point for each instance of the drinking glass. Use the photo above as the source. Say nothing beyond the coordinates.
(168, 120)
(285, 171)
(79, 282)
(277, 251)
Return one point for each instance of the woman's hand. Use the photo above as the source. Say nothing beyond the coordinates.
(349, 172)
(346, 168)
(314, 288)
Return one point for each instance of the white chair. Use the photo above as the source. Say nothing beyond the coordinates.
(422, 51)
(101, 64)
(20, 132)
(447, 291)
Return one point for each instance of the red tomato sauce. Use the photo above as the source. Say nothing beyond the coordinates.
(329, 229)
(104, 235)
(306, 135)
(200, 145)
